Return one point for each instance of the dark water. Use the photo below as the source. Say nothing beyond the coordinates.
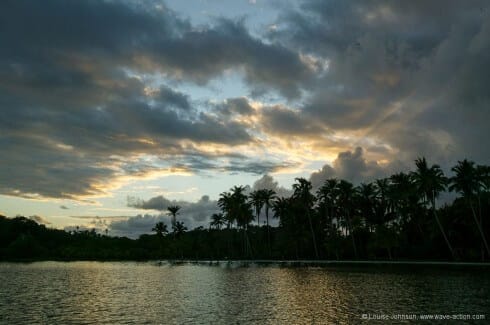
(115, 293)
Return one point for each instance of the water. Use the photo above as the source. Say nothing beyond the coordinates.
(121, 292)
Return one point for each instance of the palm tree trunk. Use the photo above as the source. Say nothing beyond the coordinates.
(248, 245)
(444, 234)
(351, 231)
(481, 225)
(268, 230)
(312, 233)
(433, 202)
(479, 228)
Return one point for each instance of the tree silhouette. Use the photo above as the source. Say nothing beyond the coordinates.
(346, 202)
(257, 202)
(467, 182)
(179, 228)
(302, 189)
(173, 210)
(161, 229)
(430, 182)
(267, 196)
(217, 220)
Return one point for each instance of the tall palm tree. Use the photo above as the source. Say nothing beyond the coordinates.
(173, 210)
(240, 207)
(257, 202)
(236, 208)
(403, 196)
(225, 203)
(280, 207)
(302, 192)
(326, 197)
(367, 202)
(430, 181)
(326, 209)
(468, 184)
(385, 200)
(346, 201)
(285, 210)
(267, 197)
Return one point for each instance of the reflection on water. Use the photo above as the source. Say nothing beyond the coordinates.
(95, 292)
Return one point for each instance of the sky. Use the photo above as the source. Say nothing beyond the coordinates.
(112, 110)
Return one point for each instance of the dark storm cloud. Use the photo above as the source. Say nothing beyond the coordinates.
(239, 105)
(411, 73)
(285, 121)
(143, 37)
(78, 97)
(73, 106)
(201, 54)
(174, 98)
(227, 162)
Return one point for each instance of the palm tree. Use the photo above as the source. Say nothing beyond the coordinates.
(217, 220)
(346, 201)
(430, 182)
(225, 203)
(285, 210)
(468, 184)
(326, 196)
(240, 207)
(326, 208)
(484, 176)
(161, 229)
(243, 214)
(302, 192)
(404, 197)
(179, 228)
(384, 198)
(257, 202)
(173, 210)
(267, 197)
(280, 207)
(236, 208)
(367, 202)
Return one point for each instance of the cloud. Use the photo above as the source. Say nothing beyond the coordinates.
(194, 212)
(400, 73)
(239, 105)
(94, 93)
(284, 121)
(354, 167)
(142, 37)
(85, 93)
(267, 182)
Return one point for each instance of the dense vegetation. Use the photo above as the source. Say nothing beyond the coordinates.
(391, 218)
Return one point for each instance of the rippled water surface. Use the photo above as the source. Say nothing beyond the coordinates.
(117, 292)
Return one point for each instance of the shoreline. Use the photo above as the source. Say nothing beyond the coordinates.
(328, 262)
(267, 262)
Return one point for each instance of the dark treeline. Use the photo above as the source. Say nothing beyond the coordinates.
(395, 218)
